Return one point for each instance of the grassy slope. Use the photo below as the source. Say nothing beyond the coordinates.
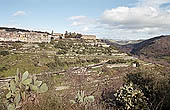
(22, 62)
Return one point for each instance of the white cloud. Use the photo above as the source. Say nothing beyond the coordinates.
(85, 29)
(82, 24)
(76, 23)
(19, 13)
(77, 17)
(145, 18)
(152, 3)
(79, 20)
(136, 18)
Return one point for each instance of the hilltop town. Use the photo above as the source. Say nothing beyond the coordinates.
(21, 35)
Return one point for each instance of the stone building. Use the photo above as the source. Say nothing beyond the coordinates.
(55, 36)
(24, 36)
(89, 37)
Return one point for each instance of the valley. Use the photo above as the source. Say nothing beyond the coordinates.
(154, 50)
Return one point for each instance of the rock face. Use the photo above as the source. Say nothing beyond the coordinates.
(154, 47)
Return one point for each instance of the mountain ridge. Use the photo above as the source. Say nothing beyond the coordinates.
(154, 50)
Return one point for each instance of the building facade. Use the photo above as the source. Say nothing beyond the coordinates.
(24, 36)
(89, 37)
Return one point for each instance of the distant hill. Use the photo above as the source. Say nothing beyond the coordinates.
(154, 47)
(123, 45)
(126, 42)
(110, 42)
(155, 50)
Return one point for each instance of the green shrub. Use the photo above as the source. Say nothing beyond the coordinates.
(127, 97)
(3, 69)
(62, 52)
(154, 83)
(42, 45)
(4, 53)
(115, 61)
(22, 89)
(48, 100)
(132, 97)
(108, 100)
(61, 45)
(82, 100)
(96, 60)
(57, 63)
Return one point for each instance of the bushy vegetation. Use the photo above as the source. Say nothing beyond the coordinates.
(3, 69)
(131, 98)
(34, 100)
(62, 52)
(22, 89)
(147, 89)
(4, 53)
(42, 45)
(82, 101)
(127, 97)
(155, 86)
(116, 61)
(57, 63)
(81, 47)
(72, 35)
(144, 88)
(96, 60)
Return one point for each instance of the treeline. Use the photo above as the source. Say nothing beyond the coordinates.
(72, 35)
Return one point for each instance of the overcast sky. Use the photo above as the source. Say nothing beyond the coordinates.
(111, 19)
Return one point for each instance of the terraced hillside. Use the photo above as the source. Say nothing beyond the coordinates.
(80, 75)
(54, 56)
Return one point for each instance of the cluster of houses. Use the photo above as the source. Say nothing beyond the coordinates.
(33, 36)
